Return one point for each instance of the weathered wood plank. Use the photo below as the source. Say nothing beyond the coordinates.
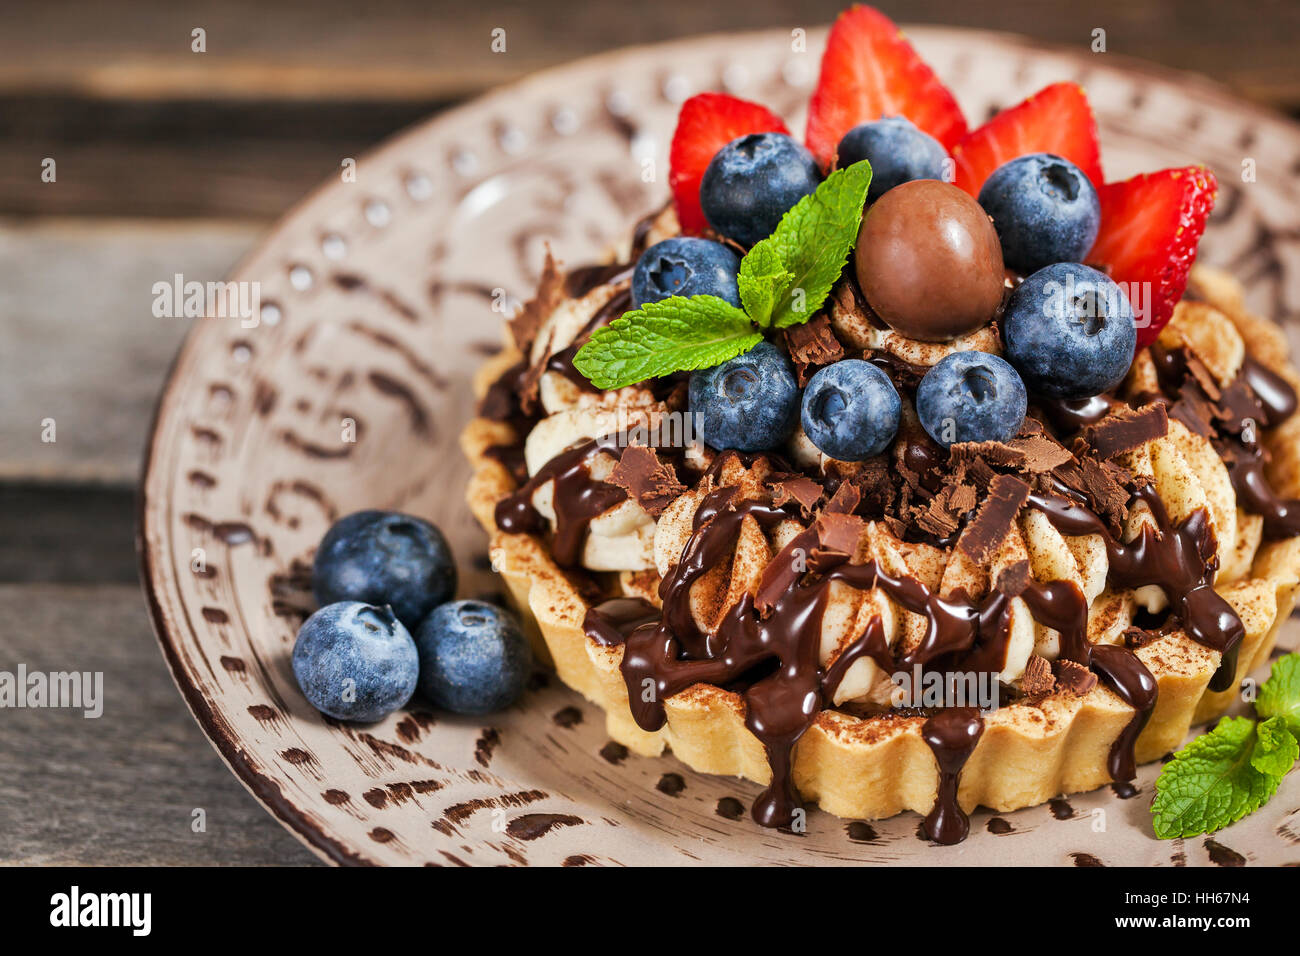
(412, 49)
(82, 347)
(120, 789)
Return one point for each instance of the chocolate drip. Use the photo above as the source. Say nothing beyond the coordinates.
(611, 622)
(781, 628)
(578, 498)
(1230, 418)
(1180, 559)
(1128, 677)
(951, 736)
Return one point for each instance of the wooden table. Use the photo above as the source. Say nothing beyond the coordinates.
(169, 160)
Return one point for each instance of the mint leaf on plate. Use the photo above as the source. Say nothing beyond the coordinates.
(813, 241)
(1280, 694)
(1211, 782)
(763, 279)
(1276, 748)
(674, 335)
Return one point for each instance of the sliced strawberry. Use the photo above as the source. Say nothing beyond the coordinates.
(869, 70)
(1057, 119)
(1150, 227)
(708, 122)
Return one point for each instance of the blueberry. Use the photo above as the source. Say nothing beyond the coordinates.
(685, 266)
(1044, 209)
(850, 410)
(971, 396)
(355, 661)
(1069, 331)
(474, 659)
(898, 153)
(382, 557)
(752, 182)
(750, 403)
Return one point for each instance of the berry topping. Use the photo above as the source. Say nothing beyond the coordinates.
(685, 266)
(707, 123)
(1068, 330)
(1057, 120)
(354, 661)
(1044, 209)
(1150, 227)
(870, 70)
(850, 410)
(750, 403)
(897, 150)
(474, 659)
(929, 262)
(383, 557)
(971, 396)
(752, 182)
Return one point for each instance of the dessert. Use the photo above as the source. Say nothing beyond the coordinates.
(888, 524)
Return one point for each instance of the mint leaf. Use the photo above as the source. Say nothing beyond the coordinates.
(1211, 782)
(1276, 748)
(675, 335)
(1280, 694)
(763, 280)
(814, 239)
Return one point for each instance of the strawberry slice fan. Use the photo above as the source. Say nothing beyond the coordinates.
(1150, 224)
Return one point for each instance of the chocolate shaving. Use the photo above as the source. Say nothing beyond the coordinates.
(1037, 680)
(840, 532)
(812, 345)
(1125, 429)
(845, 500)
(650, 482)
(985, 534)
(799, 488)
(550, 292)
(1074, 679)
(1104, 485)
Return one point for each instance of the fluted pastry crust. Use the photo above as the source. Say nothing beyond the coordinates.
(876, 766)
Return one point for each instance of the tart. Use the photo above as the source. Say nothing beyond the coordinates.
(938, 622)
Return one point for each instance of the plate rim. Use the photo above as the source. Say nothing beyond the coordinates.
(262, 786)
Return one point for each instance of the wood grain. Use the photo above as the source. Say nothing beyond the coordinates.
(398, 49)
(82, 345)
(120, 789)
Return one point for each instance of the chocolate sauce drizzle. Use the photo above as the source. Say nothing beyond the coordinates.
(766, 647)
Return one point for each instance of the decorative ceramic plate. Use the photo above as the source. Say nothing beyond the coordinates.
(381, 296)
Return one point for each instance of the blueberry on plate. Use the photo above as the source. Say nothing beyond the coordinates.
(752, 182)
(971, 396)
(1069, 331)
(355, 661)
(1045, 210)
(850, 410)
(474, 659)
(685, 266)
(750, 403)
(897, 150)
(383, 557)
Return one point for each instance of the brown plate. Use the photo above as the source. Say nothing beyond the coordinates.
(380, 298)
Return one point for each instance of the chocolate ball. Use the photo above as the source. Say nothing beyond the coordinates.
(929, 261)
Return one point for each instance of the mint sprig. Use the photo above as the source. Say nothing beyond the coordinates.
(675, 335)
(1234, 769)
(783, 281)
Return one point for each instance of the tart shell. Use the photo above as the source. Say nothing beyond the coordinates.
(874, 767)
